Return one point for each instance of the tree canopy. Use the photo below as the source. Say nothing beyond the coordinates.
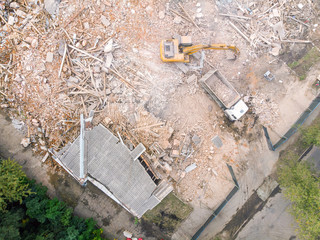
(311, 135)
(301, 185)
(33, 215)
(13, 183)
(302, 188)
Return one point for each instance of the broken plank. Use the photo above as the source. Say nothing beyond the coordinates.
(295, 41)
(239, 31)
(36, 29)
(190, 18)
(3, 94)
(82, 92)
(235, 16)
(299, 21)
(148, 126)
(63, 58)
(180, 15)
(85, 53)
(264, 40)
(85, 91)
(104, 86)
(74, 16)
(45, 157)
(5, 68)
(269, 9)
(123, 80)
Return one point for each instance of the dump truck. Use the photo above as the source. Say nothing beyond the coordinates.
(226, 96)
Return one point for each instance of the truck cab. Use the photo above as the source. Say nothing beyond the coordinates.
(236, 111)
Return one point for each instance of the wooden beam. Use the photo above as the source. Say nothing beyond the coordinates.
(299, 21)
(239, 31)
(235, 16)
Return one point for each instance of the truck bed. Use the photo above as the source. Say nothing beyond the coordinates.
(215, 83)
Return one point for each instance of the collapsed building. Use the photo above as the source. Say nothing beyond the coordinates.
(103, 159)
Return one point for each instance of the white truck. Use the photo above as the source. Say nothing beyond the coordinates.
(224, 94)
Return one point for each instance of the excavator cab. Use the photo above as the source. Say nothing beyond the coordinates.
(178, 49)
(172, 50)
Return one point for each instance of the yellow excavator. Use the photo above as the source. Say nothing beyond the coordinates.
(178, 49)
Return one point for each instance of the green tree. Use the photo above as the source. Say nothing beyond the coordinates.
(311, 134)
(13, 183)
(10, 222)
(302, 187)
(36, 209)
(31, 214)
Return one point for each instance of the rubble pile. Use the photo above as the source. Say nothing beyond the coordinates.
(73, 64)
(265, 108)
(60, 70)
(266, 25)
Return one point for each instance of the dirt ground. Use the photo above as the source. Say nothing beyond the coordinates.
(146, 91)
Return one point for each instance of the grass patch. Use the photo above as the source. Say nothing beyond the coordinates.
(169, 214)
(302, 66)
(293, 64)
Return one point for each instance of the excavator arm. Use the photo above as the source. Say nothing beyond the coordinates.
(196, 48)
(179, 49)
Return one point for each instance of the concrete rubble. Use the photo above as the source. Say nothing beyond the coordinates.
(263, 27)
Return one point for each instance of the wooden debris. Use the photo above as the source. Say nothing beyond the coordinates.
(239, 31)
(123, 80)
(35, 28)
(3, 94)
(180, 5)
(180, 15)
(85, 91)
(63, 58)
(297, 20)
(273, 6)
(74, 17)
(45, 157)
(85, 53)
(235, 16)
(266, 29)
(295, 41)
(104, 86)
(149, 126)
(115, 91)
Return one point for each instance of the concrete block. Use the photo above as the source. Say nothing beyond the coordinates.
(11, 20)
(175, 153)
(49, 57)
(184, 68)
(176, 143)
(191, 79)
(105, 21)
